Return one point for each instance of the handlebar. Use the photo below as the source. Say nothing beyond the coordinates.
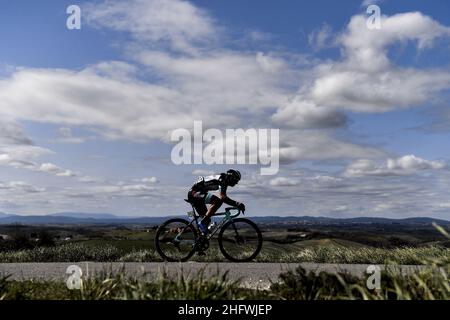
(239, 211)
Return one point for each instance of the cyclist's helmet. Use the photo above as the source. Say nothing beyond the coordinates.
(233, 176)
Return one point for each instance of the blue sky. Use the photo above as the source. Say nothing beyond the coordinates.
(363, 114)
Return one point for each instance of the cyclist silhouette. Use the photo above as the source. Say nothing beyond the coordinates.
(201, 194)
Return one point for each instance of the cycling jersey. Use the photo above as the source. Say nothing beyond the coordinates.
(210, 183)
(209, 190)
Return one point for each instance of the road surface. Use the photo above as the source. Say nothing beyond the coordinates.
(252, 275)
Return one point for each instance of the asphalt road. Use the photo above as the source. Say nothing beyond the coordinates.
(252, 275)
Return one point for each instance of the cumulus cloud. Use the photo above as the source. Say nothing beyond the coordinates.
(12, 134)
(303, 114)
(284, 182)
(179, 68)
(405, 165)
(54, 169)
(237, 86)
(316, 144)
(202, 172)
(67, 136)
(180, 24)
(321, 38)
(18, 151)
(367, 81)
(20, 186)
(150, 180)
(88, 99)
(16, 148)
(120, 190)
(364, 79)
(21, 157)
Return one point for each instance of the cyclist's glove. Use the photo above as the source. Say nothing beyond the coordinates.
(240, 206)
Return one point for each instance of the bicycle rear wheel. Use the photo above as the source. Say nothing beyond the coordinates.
(240, 240)
(175, 240)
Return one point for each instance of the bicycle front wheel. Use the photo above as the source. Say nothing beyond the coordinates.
(240, 240)
(175, 240)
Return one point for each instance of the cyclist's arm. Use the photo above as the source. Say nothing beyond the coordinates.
(228, 200)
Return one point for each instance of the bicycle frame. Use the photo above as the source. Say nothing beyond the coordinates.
(229, 227)
(228, 216)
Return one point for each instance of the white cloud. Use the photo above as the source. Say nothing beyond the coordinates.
(89, 179)
(20, 186)
(66, 136)
(236, 86)
(317, 144)
(21, 156)
(112, 191)
(18, 151)
(54, 169)
(150, 180)
(12, 134)
(183, 70)
(405, 165)
(364, 79)
(411, 162)
(321, 38)
(368, 47)
(201, 172)
(303, 114)
(88, 99)
(283, 182)
(445, 205)
(178, 23)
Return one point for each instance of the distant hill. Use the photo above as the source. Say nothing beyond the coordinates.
(106, 218)
(358, 220)
(81, 219)
(80, 215)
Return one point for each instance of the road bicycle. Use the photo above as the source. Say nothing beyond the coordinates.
(239, 239)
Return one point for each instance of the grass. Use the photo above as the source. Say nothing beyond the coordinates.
(429, 284)
(425, 284)
(63, 253)
(76, 252)
(117, 286)
(293, 285)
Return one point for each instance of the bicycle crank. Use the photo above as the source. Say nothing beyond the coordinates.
(202, 244)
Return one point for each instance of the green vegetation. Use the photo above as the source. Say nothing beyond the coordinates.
(429, 284)
(120, 287)
(63, 253)
(309, 243)
(425, 284)
(75, 252)
(126, 245)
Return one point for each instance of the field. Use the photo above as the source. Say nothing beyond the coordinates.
(292, 285)
(418, 244)
(321, 243)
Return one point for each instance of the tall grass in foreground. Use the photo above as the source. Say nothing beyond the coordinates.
(327, 254)
(64, 253)
(117, 286)
(430, 284)
(426, 284)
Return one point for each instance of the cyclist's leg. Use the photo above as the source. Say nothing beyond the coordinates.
(215, 203)
(198, 201)
(200, 207)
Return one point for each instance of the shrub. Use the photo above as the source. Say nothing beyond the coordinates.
(64, 253)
